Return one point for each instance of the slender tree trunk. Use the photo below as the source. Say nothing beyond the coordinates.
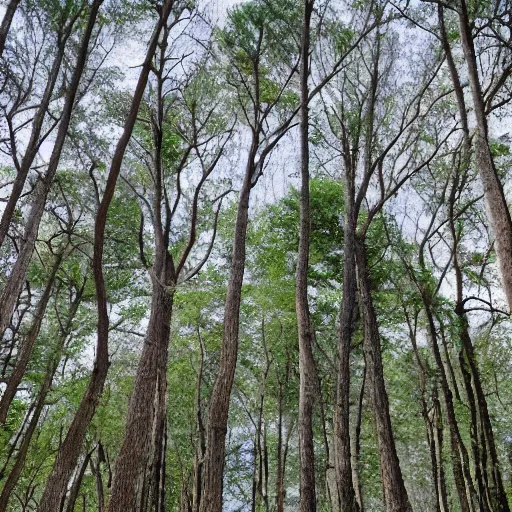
(160, 502)
(6, 23)
(442, 496)
(502, 227)
(139, 466)
(28, 343)
(265, 469)
(100, 495)
(492, 495)
(130, 471)
(21, 456)
(479, 467)
(460, 458)
(279, 456)
(69, 451)
(34, 142)
(493, 480)
(497, 208)
(356, 454)
(201, 441)
(260, 473)
(254, 492)
(15, 281)
(325, 481)
(395, 494)
(307, 372)
(345, 483)
(497, 494)
(433, 422)
(51, 368)
(77, 483)
(213, 464)
(216, 431)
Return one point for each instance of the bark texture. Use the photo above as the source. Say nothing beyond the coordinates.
(491, 491)
(346, 492)
(497, 208)
(459, 455)
(134, 457)
(70, 449)
(489, 479)
(213, 464)
(395, 494)
(307, 372)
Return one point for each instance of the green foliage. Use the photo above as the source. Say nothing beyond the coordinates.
(243, 80)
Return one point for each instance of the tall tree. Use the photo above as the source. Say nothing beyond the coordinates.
(70, 449)
(497, 207)
(183, 133)
(16, 279)
(66, 20)
(255, 40)
(308, 379)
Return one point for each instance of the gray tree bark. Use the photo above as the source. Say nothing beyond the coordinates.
(395, 494)
(497, 208)
(69, 451)
(308, 386)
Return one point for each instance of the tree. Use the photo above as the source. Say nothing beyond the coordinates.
(249, 43)
(6, 23)
(177, 133)
(333, 336)
(70, 449)
(308, 379)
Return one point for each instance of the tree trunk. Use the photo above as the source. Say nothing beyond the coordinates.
(502, 223)
(213, 462)
(395, 494)
(200, 441)
(51, 368)
(492, 493)
(100, 495)
(254, 492)
(460, 458)
(77, 483)
(442, 497)
(307, 372)
(345, 483)
(28, 343)
(497, 208)
(496, 495)
(6, 23)
(433, 422)
(139, 467)
(265, 469)
(21, 456)
(141, 424)
(356, 454)
(15, 281)
(280, 491)
(158, 469)
(69, 451)
(35, 136)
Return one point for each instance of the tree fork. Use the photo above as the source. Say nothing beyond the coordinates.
(70, 449)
